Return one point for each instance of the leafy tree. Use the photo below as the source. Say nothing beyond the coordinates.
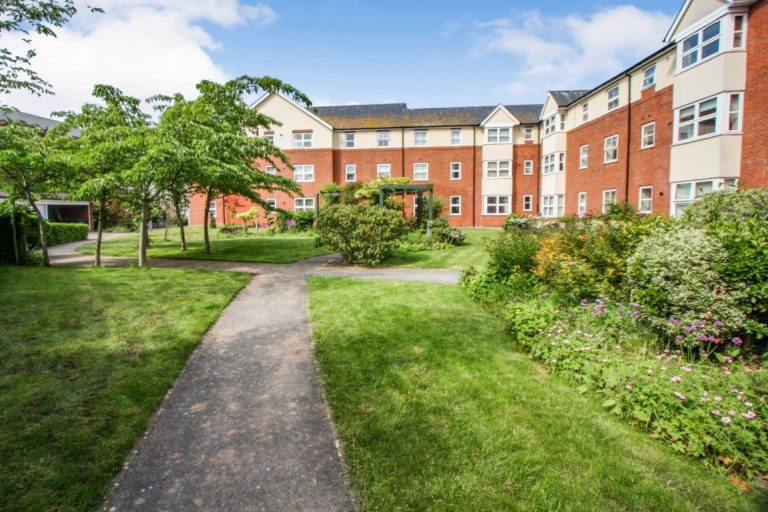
(26, 16)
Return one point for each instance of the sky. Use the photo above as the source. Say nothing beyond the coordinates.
(425, 53)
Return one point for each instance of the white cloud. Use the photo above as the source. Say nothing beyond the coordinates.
(573, 51)
(143, 47)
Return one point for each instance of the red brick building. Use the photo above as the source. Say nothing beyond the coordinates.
(754, 160)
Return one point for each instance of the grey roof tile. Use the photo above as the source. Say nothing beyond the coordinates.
(565, 98)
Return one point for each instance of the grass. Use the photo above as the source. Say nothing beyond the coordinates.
(437, 411)
(262, 248)
(472, 252)
(86, 356)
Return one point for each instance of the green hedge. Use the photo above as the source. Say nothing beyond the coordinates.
(58, 233)
(25, 226)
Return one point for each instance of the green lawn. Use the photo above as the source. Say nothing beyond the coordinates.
(472, 252)
(86, 356)
(262, 248)
(437, 411)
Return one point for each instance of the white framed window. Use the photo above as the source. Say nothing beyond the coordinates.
(552, 206)
(271, 204)
(455, 170)
(383, 171)
(497, 135)
(304, 173)
(645, 200)
(304, 204)
(455, 137)
(496, 205)
(455, 205)
(528, 167)
(527, 203)
(420, 171)
(648, 135)
(649, 76)
(739, 25)
(697, 120)
(270, 137)
(212, 209)
(562, 121)
(350, 172)
(611, 149)
(700, 46)
(734, 112)
(528, 133)
(613, 98)
(584, 112)
(420, 138)
(609, 198)
(382, 138)
(349, 139)
(584, 156)
(497, 169)
(550, 124)
(687, 192)
(302, 140)
(270, 169)
(553, 162)
(582, 206)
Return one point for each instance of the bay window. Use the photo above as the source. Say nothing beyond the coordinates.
(497, 169)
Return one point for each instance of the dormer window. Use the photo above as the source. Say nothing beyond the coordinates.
(550, 124)
(649, 76)
(701, 45)
(613, 98)
(497, 135)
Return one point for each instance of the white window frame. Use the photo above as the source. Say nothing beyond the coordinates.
(455, 136)
(648, 135)
(454, 205)
(527, 167)
(584, 156)
(497, 169)
(383, 138)
(304, 173)
(552, 206)
(270, 137)
(641, 201)
(270, 169)
(613, 98)
(606, 203)
(550, 124)
(271, 204)
(499, 204)
(527, 203)
(498, 135)
(349, 139)
(611, 149)
(350, 170)
(302, 140)
(383, 171)
(585, 112)
(697, 189)
(691, 48)
(455, 170)
(528, 133)
(735, 116)
(742, 34)
(212, 209)
(582, 204)
(689, 118)
(420, 171)
(420, 138)
(303, 204)
(649, 76)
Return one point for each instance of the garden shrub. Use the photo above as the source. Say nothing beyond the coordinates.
(232, 230)
(57, 233)
(513, 252)
(304, 220)
(564, 274)
(443, 232)
(361, 233)
(26, 232)
(487, 285)
(527, 319)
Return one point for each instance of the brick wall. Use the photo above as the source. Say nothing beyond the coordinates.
(754, 154)
(522, 184)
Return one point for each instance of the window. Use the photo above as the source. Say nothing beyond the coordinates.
(609, 198)
(270, 137)
(562, 122)
(611, 149)
(584, 156)
(584, 112)
(553, 162)
(349, 139)
(734, 112)
(382, 138)
(697, 120)
(455, 170)
(496, 135)
(528, 133)
(649, 76)
(527, 203)
(582, 204)
(271, 204)
(550, 124)
(212, 209)
(685, 193)
(497, 169)
(552, 206)
(496, 205)
(645, 202)
(455, 205)
(420, 138)
(613, 98)
(455, 137)
(420, 172)
(350, 171)
(383, 171)
(270, 169)
(528, 167)
(304, 204)
(303, 173)
(738, 31)
(302, 140)
(701, 45)
(648, 136)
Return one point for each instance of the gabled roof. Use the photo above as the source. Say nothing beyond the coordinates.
(43, 122)
(310, 113)
(565, 98)
(669, 37)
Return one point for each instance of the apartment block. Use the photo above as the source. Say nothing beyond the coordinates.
(689, 119)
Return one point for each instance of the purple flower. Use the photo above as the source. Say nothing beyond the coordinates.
(583, 303)
(718, 399)
(699, 323)
(747, 404)
(690, 329)
(750, 415)
(634, 304)
(679, 337)
(703, 337)
(737, 341)
(718, 323)
(712, 339)
(725, 419)
(674, 321)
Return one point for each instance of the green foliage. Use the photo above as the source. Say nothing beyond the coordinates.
(361, 233)
(444, 233)
(26, 232)
(304, 220)
(232, 230)
(63, 233)
(514, 252)
(349, 193)
(370, 191)
(528, 319)
(491, 287)
(514, 223)
(330, 194)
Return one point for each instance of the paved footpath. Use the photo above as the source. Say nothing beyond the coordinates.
(245, 427)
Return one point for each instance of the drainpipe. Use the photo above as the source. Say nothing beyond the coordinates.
(629, 136)
(474, 177)
(537, 210)
(402, 150)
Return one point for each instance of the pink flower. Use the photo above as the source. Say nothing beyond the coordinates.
(737, 341)
(680, 395)
(725, 419)
(747, 404)
(676, 378)
(687, 369)
(750, 415)
(718, 399)
(732, 412)
(715, 412)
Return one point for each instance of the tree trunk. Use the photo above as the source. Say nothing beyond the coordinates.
(206, 238)
(41, 229)
(99, 231)
(143, 233)
(180, 220)
(165, 221)
(13, 234)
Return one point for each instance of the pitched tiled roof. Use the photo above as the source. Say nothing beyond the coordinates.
(565, 98)
(43, 122)
(398, 115)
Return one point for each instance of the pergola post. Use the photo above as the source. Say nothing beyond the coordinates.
(381, 197)
(419, 202)
(317, 205)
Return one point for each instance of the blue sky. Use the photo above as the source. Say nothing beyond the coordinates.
(425, 53)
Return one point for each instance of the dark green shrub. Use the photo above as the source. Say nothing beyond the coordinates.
(514, 223)
(349, 191)
(26, 232)
(361, 233)
(443, 232)
(284, 221)
(232, 230)
(331, 194)
(529, 319)
(175, 221)
(57, 233)
(487, 285)
(303, 221)
(514, 252)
